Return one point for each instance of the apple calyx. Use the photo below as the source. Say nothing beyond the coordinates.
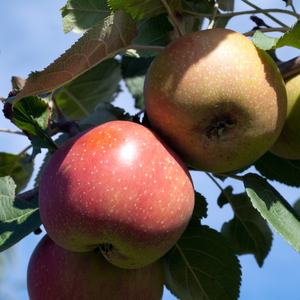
(105, 248)
(218, 127)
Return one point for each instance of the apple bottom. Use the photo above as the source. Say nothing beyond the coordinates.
(56, 273)
(124, 245)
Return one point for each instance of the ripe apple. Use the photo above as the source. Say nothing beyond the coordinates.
(55, 273)
(288, 144)
(119, 188)
(216, 99)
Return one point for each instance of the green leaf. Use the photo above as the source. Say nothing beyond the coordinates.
(152, 32)
(78, 98)
(274, 208)
(104, 112)
(288, 2)
(248, 231)
(200, 208)
(279, 169)
(290, 38)
(263, 41)
(32, 114)
(227, 5)
(15, 166)
(207, 7)
(18, 217)
(134, 71)
(59, 141)
(18, 82)
(105, 40)
(82, 15)
(139, 9)
(135, 86)
(296, 206)
(202, 265)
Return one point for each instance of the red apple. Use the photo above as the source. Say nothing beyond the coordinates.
(117, 187)
(216, 99)
(55, 273)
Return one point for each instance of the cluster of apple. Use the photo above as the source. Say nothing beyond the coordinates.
(115, 198)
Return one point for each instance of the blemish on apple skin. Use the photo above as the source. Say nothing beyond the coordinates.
(66, 169)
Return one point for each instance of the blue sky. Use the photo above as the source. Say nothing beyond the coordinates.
(31, 37)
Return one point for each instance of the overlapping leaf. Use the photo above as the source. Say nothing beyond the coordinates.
(274, 208)
(207, 7)
(105, 40)
(279, 169)
(18, 217)
(104, 112)
(248, 231)
(227, 5)
(32, 114)
(202, 266)
(139, 9)
(134, 71)
(15, 166)
(200, 209)
(290, 38)
(81, 15)
(152, 32)
(78, 98)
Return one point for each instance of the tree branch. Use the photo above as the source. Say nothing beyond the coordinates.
(29, 195)
(290, 67)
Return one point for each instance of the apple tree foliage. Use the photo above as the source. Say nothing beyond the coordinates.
(77, 91)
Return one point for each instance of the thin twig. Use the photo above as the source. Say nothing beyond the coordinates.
(11, 131)
(167, 7)
(240, 178)
(265, 13)
(246, 12)
(222, 190)
(293, 7)
(142, 47)
(275, 29)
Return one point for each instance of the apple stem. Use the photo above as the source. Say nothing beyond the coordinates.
(135, 117)
(213, 16)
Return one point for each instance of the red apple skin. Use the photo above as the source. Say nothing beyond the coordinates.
(116, 184)
(288, 144)
(216, 99)
(55, 273)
